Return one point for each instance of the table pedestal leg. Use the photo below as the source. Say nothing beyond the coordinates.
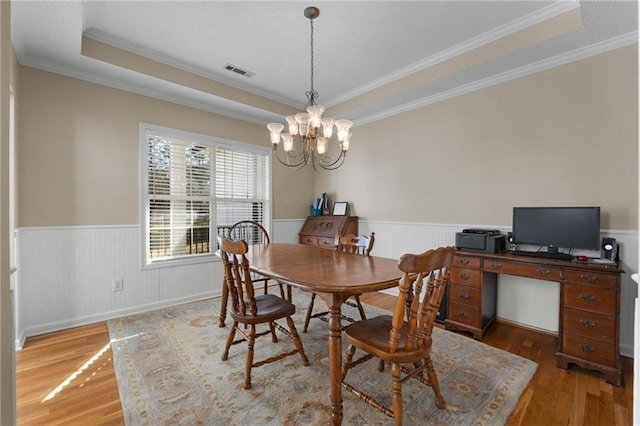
(335, 357)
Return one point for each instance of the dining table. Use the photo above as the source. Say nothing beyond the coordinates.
(334, 276)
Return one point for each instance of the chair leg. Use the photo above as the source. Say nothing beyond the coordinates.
(272, 327)
(433, 379)
(223, 305)
(249, 362)
(348, 358)
(230, 337)
(296, 340)
(360, 308)
(309, 313)
(396, 398)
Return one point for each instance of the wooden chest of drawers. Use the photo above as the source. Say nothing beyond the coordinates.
(588, 333)
(472, 296)
(321, 230)
(589, 325)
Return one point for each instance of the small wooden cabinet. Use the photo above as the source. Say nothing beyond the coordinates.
(321, 230)
(588, 334)
(472, 296)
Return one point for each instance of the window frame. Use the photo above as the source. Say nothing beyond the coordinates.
(145, 130)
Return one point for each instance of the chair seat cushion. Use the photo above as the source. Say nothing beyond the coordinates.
(372, 336)
(270, 307)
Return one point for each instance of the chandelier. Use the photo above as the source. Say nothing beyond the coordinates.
(309, 139)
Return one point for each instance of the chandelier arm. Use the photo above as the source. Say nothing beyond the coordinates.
(298, 166)
(331, 166)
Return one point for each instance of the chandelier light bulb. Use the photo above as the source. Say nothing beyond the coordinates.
(293, 124)
(315, 113)
(345, 143)
(303, 120)
(327, 127)
(275, 129)
(321, 147)
(343, 127)
(287, 139)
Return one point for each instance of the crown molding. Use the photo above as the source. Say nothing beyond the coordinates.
(260, 117)
(131, 47)
(497, 33)
(229, 109)
(543, 65)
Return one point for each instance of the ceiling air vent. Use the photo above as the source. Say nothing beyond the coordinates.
(238, 70)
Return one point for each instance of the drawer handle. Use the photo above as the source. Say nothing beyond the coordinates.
(589, 298)
(463, 315)
(496, 265)
(464, 261)
(464, 296)
(589, 277)
(544, 271)
(464, 276)
(587, 323)
(587, 348)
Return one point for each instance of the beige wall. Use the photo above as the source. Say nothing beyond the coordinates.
(78, 154)
(566, 136)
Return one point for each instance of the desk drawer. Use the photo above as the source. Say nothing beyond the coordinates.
(465, 276)
(543, 272)
(464, 315)
(598, 279)
(327, 242)
(589, 349)
(590, 298)
(464, 294)
(312, 241)
(590, 324)
(466, 261)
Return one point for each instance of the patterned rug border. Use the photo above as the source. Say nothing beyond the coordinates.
(163, 363)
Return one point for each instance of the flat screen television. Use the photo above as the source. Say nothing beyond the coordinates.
(557, 227)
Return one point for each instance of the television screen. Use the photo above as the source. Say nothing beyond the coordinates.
(566, 227)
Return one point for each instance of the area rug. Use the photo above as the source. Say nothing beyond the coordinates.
(169, 372)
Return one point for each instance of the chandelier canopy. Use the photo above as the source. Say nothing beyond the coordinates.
(309, 137)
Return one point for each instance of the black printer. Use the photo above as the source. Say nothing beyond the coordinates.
(488, 240)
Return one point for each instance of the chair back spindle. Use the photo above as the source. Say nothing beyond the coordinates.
(351, 243)
(423, 282)
(238, 276)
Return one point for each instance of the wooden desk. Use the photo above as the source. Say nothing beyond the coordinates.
(332, 275)
(589, 328)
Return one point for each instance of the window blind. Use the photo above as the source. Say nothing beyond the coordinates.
(195, 190)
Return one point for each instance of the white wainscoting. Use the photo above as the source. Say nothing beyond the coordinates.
(533, 303)
(65, 275)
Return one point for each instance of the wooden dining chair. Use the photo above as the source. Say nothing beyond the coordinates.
(404, 339)
(353, 244)
(251, 310)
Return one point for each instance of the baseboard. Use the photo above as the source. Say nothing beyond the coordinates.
(526, 327)
(104, 316)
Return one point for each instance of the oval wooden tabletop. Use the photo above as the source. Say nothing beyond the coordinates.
(324, 271)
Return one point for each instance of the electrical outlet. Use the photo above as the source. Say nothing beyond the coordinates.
(118, 284)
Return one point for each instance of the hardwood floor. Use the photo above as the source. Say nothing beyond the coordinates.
(67, 378)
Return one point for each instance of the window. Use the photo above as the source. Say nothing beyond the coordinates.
(194, 187)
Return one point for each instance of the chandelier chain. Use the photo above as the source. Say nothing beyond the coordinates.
(311, 20)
